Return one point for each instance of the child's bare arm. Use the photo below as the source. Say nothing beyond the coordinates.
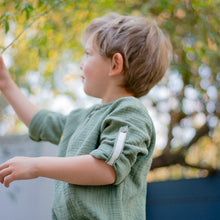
(79, 170)
(22, 106)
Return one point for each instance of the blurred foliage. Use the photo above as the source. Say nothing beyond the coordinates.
(44, 35)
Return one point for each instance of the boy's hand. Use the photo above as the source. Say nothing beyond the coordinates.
(22, 106)
(4, 75)
(18, 168)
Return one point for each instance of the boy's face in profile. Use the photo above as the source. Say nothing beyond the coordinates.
(95, 71)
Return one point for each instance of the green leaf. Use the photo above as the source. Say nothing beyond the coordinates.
(28, 8)
(6, 24)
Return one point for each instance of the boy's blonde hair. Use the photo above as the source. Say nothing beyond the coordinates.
(144, 47)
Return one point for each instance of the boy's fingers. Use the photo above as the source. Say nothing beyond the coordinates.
(8, 180)
(1, 61)
(4, 173)
(2, 64)
(3, 166)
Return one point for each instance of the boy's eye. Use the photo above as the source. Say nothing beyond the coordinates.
(87, 53)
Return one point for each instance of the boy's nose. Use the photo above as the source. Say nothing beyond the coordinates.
(81, 65)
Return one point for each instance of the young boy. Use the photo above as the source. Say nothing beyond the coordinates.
(105, 152)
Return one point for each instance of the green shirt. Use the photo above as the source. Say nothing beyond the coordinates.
(122, 134)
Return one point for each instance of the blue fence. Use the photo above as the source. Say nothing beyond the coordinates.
(190, 199)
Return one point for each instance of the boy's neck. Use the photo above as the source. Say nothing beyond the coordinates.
(115, 96)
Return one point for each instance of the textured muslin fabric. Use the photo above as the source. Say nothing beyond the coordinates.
(122, 134)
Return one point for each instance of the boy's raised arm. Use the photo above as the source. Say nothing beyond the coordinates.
(22, 106)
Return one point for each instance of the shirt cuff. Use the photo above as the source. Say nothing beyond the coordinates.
(36, 125)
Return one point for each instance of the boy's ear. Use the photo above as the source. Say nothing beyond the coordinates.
(117, 65)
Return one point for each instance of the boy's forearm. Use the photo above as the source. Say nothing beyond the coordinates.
(79, 170)
(22, 106)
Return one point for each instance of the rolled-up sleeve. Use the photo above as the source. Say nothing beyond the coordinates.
(126, 135)
(47, 126)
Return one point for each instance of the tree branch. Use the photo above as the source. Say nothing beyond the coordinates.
(26, 27)
(202, 131)
(210, 169)
(168, 158)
